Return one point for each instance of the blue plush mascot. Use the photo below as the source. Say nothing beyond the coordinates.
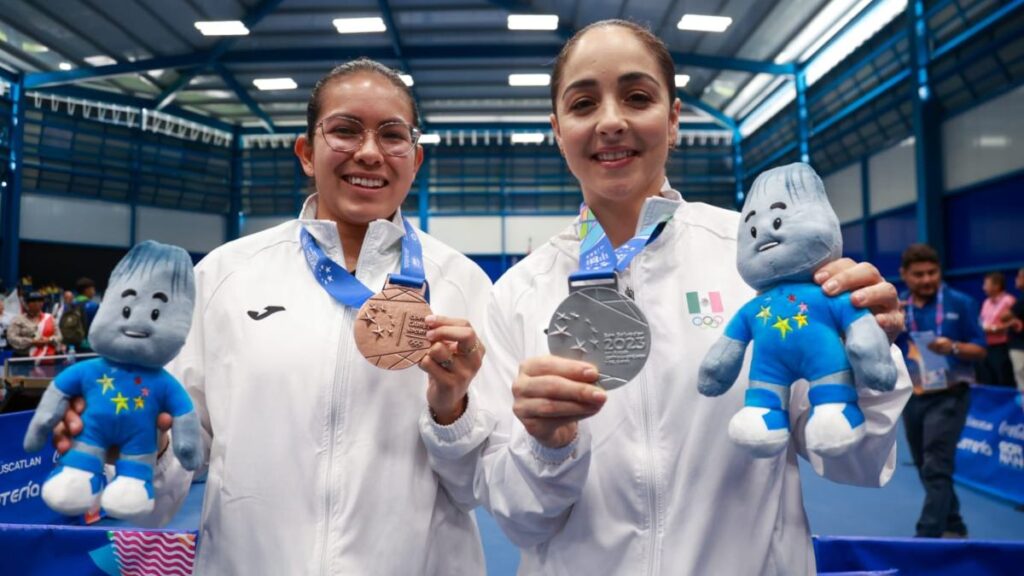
(141, 325)
(787, 231)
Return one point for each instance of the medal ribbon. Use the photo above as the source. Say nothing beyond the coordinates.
(344, 287)
(597, 257)
(939, 314)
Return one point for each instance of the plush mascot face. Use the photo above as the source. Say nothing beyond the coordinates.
(787, 228)
(147, 311)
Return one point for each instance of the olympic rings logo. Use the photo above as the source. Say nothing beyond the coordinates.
(707, 321)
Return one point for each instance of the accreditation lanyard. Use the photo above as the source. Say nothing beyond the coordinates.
(939, 314)
(597, 257)
(344, 287)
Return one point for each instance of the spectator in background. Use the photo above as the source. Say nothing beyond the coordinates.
(65, 304)
(996, 368)
(941, 340)
(1013, 319)
(89, 303)
(34, 333)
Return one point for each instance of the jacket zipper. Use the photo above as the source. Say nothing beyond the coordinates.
(339, 377)
(652, 485)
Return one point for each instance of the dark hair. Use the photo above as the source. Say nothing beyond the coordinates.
(997, 278)
(919, 253)
(654, 45)
(346, 69)
(83, 284)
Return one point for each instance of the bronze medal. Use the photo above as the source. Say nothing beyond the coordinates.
(391, 328)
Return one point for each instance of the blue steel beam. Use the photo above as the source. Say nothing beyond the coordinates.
(9, 76)
(927, 135)
(234, 227)
(214, 54)
(11, 217)
(244, 96)
(860, 102)
(703, 106)
(35, 80)
(973, 31)
(800, 80)
(737, 166)
(396, 46)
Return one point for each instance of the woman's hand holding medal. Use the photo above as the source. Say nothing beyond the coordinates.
(552, 395)
(454, 357)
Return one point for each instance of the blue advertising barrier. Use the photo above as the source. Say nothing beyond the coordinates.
(22, 475)
(990, 454)
(917, 556)
(30, 550)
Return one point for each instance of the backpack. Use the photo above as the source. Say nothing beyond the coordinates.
(72, 326)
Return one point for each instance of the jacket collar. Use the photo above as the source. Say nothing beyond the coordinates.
(380, 246)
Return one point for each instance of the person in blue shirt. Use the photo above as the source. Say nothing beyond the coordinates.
(941, 343)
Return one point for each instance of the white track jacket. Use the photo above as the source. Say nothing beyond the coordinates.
(653, 485)
(317, 464)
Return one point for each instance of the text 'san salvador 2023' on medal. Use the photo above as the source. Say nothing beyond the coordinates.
(391, 328)
(597, 324)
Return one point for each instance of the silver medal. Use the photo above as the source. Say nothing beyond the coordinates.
(597, 324)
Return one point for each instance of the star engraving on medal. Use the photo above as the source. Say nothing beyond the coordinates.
(379, 331)
(581, 346)
(560, 331)
(561, 316)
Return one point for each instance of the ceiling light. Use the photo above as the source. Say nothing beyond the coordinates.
(702, 23)
(222, 94)
(529, 79)
(682, 80)
(100, 60)
(993, 141)
(853, 37)
(275, 83)
(532, 21)
(65, 66)
(430, 139)
(222, 28)
(34, 47)
(359, 25)
(407, 79)
(528, 138)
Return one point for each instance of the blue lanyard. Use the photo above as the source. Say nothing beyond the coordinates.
(939, 312)
(597, 257)
(344, 287)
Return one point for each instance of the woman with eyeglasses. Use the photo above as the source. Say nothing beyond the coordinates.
(321, 462)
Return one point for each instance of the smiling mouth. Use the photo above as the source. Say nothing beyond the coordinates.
(371, 183)
(767, 246)
(134, 334)
(613, 156)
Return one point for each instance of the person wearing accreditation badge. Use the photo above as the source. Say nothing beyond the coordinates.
(942, 341)
(330, 360)
(615, 464)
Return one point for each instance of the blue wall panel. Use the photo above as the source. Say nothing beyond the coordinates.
(984, 225)
(893, 232)
(853, 241)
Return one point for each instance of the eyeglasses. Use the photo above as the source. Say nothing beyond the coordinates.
(345, 135)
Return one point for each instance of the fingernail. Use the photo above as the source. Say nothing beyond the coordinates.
(589, 373)
(430, 334)
(431, 318)
(599, 395)
(820, 276)
(831, 286)
(857, 298)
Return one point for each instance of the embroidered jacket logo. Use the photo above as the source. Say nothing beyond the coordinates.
(705, 309)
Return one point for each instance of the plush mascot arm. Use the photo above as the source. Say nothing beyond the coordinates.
(187, 441)
(721, 366)
(867, 347)
(51, 409)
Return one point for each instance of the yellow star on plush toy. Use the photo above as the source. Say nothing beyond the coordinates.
(765, 314)
(139, 403)
(107, 382)
(801, 320)
(782, 325)
(120, 403)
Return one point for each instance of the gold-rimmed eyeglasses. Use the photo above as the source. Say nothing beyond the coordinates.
(344, 134)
